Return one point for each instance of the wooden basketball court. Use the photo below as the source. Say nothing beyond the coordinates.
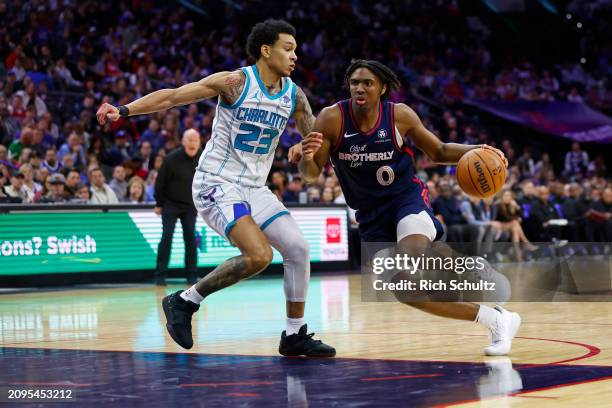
(109, 344)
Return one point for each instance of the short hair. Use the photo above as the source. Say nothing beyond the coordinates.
(380, 70)
(92, 170)
(266, 33)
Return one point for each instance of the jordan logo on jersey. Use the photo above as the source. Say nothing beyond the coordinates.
(286, 101)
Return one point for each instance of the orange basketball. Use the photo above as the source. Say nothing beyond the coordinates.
(481, 173)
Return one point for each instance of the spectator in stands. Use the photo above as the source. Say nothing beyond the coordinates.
(135, 193)
(433, 191)
(50, 162)
(599, 219)
(481, 214)
(557, 195)
(30, 97)
(327, 196)
(145, 155)
(16, 188)
(509, 216)
(597, 167)
(55, 187)
(574, 210)
(447, 210)
(152, 135)
(101, 193)
(3, 197)
(339, 195)
(576, 161)
(32, 188)
(542, 167)
(25, 140)
(118, 183)
(294, 188)
(150, 186)
(159, 159)
(73, 179)
(528, 192)
(121, 150)
(542, 211)
(73, 148)
(574, 96)
(9, 126)
(64, 75)
(314, 195)
(278, 179)
(17, 108)
(3, 154)
(40, 175)
(82, 194)
(525, 163)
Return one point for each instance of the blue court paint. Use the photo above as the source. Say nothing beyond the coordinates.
(123, 379)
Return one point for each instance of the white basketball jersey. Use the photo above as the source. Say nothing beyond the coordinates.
(246, 133)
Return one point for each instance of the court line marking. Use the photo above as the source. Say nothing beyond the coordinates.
(53, 384)
(520, 393)
(402, 377)
(592, 350)
(228, 384)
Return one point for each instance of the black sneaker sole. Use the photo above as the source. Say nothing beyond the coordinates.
(289, 354)
(166, 308)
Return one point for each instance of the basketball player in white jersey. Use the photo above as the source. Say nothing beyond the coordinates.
(254, 105)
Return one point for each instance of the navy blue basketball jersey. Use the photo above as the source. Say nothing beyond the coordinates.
(375, 166)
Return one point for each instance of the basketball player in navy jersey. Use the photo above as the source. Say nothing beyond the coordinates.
(365, 137)
(253, 106)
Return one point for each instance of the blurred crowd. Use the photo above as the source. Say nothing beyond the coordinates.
(59, 60)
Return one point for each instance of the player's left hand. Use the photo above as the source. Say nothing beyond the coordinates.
(497, 152)
(311, 144)
(295, 153)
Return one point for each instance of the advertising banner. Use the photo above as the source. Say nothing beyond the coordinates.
(73, 241)
(572, 120)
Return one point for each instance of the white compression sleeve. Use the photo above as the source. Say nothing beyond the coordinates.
(285, 235)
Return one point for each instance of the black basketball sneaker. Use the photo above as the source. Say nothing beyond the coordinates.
(178, 313)
(303, 344)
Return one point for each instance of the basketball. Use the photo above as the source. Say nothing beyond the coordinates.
(481, 173)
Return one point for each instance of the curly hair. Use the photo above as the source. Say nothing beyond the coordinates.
(266, 33)
(380, 70)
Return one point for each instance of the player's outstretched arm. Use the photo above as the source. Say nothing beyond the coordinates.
(227, 84)
(317, 144)
(409, 123)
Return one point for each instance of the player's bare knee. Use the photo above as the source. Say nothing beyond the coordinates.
(259, 258)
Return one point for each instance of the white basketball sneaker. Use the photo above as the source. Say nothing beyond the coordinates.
(502, 332)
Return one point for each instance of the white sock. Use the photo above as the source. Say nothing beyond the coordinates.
(293, 325)
(487, 315)
(192, 295)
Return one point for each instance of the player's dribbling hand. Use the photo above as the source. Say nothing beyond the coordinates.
(107, 111)
(311, 144)
(295, 153)
(497, 152)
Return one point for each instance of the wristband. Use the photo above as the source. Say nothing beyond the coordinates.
(123, 111)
